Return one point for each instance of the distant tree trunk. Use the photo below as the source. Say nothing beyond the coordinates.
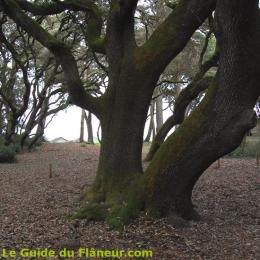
(159, 110)
(12, 118)
(88, 120)
(41, 124)
(1, 118)
(38, 135)
(81, 137)
(12, 121)
(99, 137)
(151, 129)
(30, 125)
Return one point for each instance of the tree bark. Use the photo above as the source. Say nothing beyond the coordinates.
(191, 92)
(220, 122)
(122, 139)
(183, 100)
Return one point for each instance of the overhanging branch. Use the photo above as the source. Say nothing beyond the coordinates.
(60, 51)
(173, 34)
(94, 17)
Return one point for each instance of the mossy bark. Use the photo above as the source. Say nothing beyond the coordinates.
(183, 100)
(215, 128)
(186, 154)
(220, 122)
(120, 161)
(123, 121)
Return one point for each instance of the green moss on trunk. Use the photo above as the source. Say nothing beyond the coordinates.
(159, 197)
(117, 206)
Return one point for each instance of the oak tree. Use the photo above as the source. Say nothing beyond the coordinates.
(121, 188)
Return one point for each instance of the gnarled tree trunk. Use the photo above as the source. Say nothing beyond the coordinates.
(220, 122)
(123, 123)
(133, 73)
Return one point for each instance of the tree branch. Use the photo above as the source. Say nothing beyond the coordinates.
(94, 17)
(60, 51)
(41, 9)
(172, 35)
(197, 85)
(27, 84)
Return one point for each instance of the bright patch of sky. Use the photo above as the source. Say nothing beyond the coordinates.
(66, 124)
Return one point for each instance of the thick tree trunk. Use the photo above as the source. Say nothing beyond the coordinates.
(186, 154)
(122, 123)
(120, 157)
(220, 122)
(119, 163)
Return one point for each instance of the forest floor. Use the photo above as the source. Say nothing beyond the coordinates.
(34, 209)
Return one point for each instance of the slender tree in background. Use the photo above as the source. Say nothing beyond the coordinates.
(88, 119)
(216, 126)
(151, 129)
(82, 118)
(159, 110)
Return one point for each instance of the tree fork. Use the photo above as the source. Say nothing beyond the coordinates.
(220, 122)
(184, 99)
(198, 85)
